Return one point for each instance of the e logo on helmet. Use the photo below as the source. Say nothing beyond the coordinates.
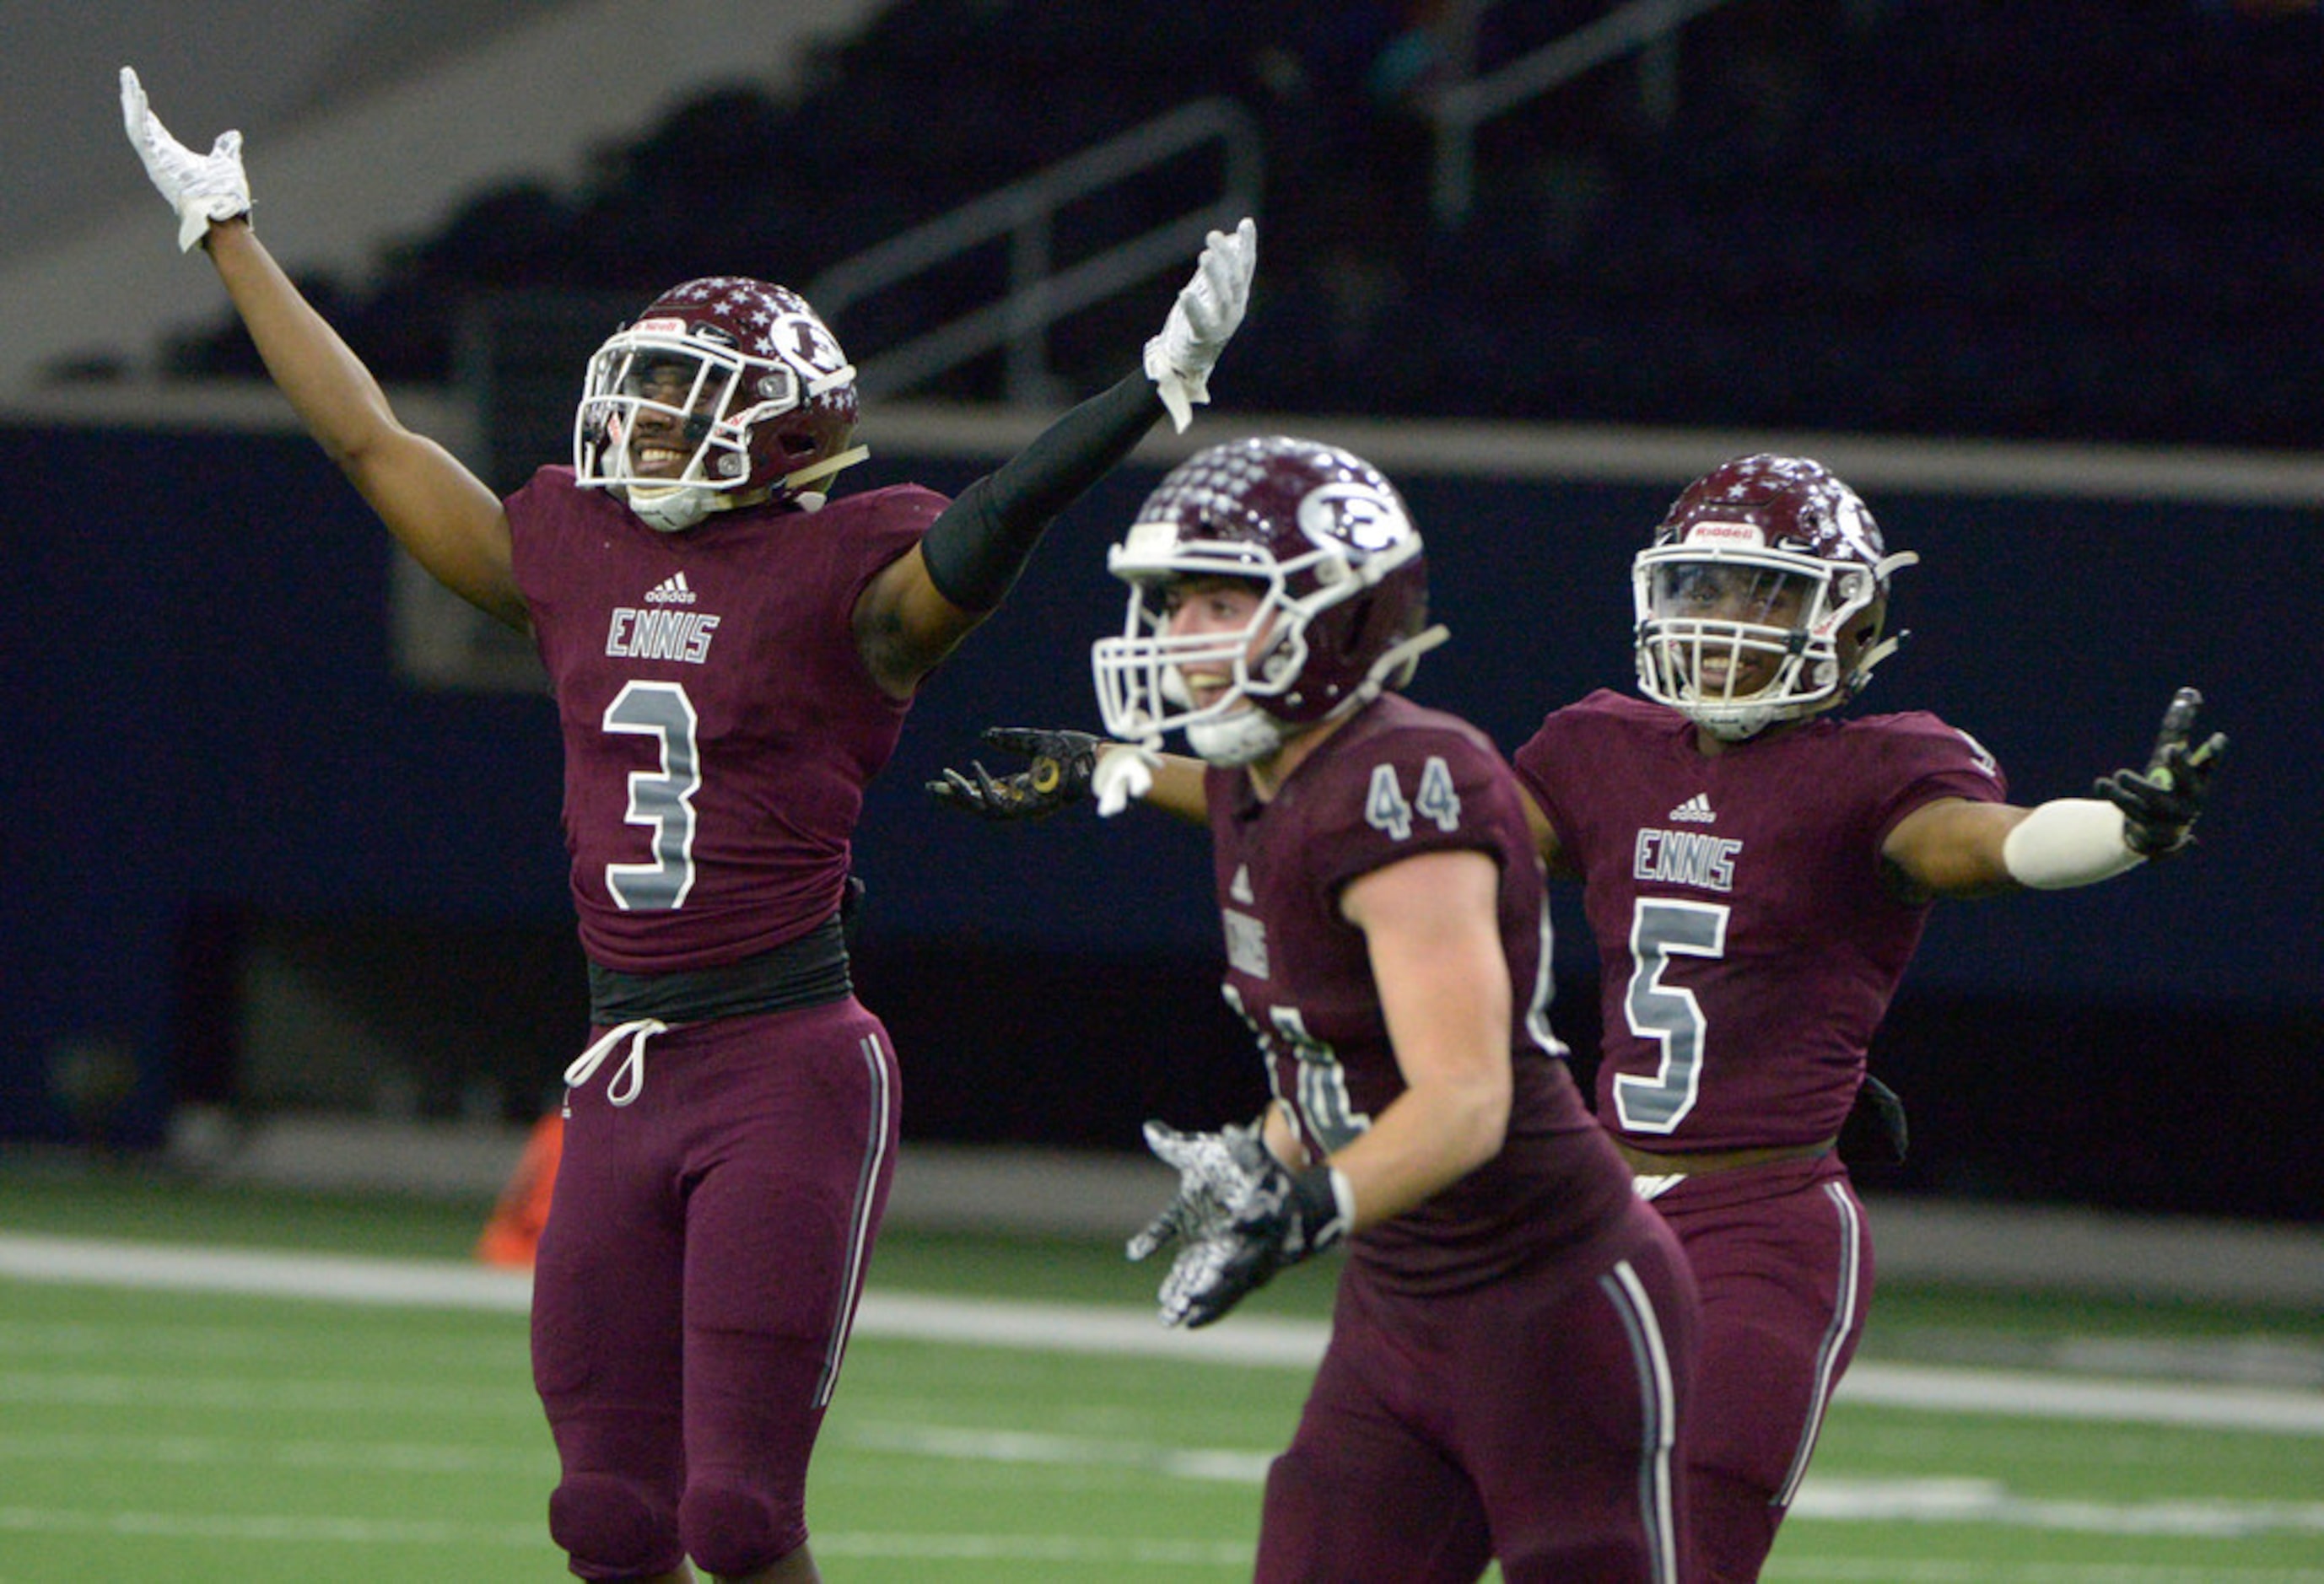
(1339, 516)
(803, 338)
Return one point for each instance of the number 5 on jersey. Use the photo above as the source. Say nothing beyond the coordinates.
(1661, 929)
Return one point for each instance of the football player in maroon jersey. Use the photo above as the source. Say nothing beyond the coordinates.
(1512, 1340)
(733, 652)
(1748, 954)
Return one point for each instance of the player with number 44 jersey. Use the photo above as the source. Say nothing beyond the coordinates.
(1513, 1337)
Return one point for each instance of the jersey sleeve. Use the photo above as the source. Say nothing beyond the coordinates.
(881, 526)
(1561, 742)
(1923, 760)
(1409, 791)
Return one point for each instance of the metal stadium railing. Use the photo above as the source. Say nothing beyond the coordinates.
(1040, 291)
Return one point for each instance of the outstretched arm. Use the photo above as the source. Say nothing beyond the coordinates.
(1960, 849)
(919, 608)
(448, 518)
(1061, 767)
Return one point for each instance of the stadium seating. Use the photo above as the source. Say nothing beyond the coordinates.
(2077, 220)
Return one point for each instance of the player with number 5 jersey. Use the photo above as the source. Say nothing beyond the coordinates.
(733, 652)
(1757, 872)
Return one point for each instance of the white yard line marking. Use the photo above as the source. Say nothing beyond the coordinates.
(1257, 1340)
(1889, 1570)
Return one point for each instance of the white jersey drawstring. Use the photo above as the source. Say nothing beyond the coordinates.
(630, 1074)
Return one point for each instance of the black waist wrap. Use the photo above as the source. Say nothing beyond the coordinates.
(809, 971)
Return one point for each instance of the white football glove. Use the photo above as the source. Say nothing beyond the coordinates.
(1208, 1178)
(1124, 774)
(1239, 1216)
(201, 187)
(1180, 359)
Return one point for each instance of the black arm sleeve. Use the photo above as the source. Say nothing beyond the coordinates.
(976, 549)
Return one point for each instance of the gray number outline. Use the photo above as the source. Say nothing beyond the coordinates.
(660, 800)
(1661, 928)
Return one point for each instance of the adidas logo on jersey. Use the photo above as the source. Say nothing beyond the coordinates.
(656, 632)
(1695, 810)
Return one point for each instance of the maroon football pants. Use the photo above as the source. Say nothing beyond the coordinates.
(1532, 1419)
(697, 1281)
(1783, 1260)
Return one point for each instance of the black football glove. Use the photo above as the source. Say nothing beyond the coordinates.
(1240, 1214)
(2161, 804)
(1059, 775)
(1874, 1129)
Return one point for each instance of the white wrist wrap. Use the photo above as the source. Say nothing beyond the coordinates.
(1124, 774)
(1344, 1194)
(2067, 841)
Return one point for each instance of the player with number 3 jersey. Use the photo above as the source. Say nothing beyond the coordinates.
(732, 653)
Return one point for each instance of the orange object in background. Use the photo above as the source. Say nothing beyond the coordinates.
(513, 1233)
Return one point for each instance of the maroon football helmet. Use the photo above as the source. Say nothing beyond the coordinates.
(725, 391)
(1344, 595)
(1762, 596)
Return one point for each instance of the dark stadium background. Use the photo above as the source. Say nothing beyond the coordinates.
(219, 788)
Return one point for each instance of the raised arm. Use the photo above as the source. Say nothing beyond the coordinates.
(1960, 849)
(917, 611)
(448, 520)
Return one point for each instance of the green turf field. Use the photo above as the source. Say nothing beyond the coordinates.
(186, 1433)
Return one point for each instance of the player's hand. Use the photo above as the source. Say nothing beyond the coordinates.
(2161, 804)
(1875, 1127)
(1248, 1217)
(1062, 765)
(1208, 1175)
(202, 188)
(1180, 359)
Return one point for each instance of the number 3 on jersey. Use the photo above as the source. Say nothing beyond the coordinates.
(1661, 929)
(661, 800)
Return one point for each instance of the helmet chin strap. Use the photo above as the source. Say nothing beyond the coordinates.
(1871, 658)
(672, 508)
(1251, 734)
(1734, 725)
(1242, 738)
(815, 473)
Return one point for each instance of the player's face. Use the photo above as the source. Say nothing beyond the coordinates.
(1753, 596)
(683, 398)
(1198, 606)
